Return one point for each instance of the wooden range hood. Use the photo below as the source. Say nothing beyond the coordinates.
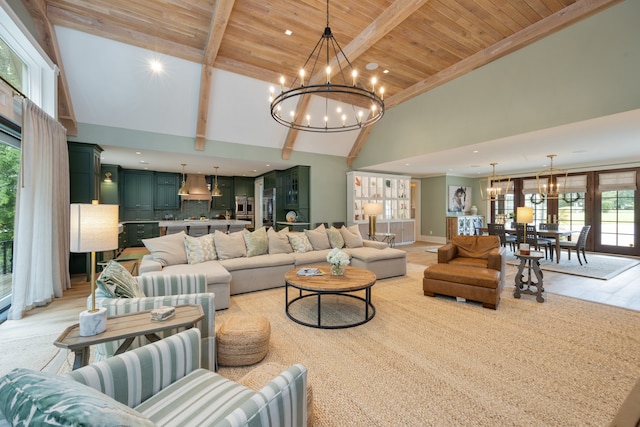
(198, 189)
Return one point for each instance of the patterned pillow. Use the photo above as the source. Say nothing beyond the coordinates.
(229, 245)
(39, 398)
(199, 249)
(299, 242)
(335, 238)
(351, 236)
(278, 241)
(115, 281)
(318, 238)
(257, 242)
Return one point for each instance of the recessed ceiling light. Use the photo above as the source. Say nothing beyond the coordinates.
(371, 66)
(475, 151)
(144, 162)
(288, 32)
(386, 71)
(156, 66)
(138, 153)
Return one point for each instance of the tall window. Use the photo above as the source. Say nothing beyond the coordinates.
(533, 200)
(617, 208)
(571, 206)
(12, 68)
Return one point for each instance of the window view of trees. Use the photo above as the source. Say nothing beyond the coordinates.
(11, 66)
(618, 218)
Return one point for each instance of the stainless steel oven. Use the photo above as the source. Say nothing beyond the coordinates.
(244, 209)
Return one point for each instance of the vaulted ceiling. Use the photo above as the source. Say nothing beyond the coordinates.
(421, 43)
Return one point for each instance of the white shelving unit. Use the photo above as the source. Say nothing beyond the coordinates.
(393, 192)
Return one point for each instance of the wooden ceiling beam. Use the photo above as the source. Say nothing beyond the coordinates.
(102, 28)
(551, 24)
(46, 35)
(392, 16)
(219, 23)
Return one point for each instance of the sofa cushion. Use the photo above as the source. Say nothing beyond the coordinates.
(203, 398)
(257, 242)
(200, 249)
(115, 281)
(168, 250)
(318, 238)
(351, 236)
(299, 242)
(472, 262)
(279, 242)
(259, 261)
(335, 238)
(312, 257)
(230, 245)
(39, 398)
(214, 271)
(373, 254)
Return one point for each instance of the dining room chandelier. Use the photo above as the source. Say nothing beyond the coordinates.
(552, 181)
(494, 187)
(348, 104)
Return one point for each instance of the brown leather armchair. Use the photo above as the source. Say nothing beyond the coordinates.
(470, 267)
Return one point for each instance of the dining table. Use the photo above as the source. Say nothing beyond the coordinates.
(554, 234)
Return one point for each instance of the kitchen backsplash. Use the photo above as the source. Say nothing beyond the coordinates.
(191, 208)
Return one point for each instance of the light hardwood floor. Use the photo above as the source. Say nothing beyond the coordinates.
(623, 291)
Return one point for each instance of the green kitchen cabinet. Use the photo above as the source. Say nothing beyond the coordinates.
(84, 186)
(138, 231)
(166, 188)
(109, 194)
(243, 186)
(227, 200)
(138, 195)
(296, 188)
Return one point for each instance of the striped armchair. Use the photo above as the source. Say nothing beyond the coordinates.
(164, 290)
(162, 381)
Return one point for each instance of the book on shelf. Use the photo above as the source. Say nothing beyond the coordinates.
(310, 272)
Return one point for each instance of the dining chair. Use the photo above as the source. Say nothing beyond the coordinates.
(551, 242)
(578, 245)
(498, 230)
(528, 234)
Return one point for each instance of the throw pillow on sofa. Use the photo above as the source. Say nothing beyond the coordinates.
(318, 238)
(279, 242)
(39, 398)
(200, 249)
(167, 250)
(257, 242)
(230, 245)
(115, 281)
(299, 242)
(351, 236)
(335, 238)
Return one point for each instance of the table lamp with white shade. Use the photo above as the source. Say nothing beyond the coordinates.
(372, 210)
(524, 215)
(94, 228)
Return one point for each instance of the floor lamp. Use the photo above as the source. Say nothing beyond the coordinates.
(94, 228)
(372, 210)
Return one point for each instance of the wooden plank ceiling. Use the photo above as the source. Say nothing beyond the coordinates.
(422, 43)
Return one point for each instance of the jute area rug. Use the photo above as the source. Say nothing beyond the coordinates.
(425, 361)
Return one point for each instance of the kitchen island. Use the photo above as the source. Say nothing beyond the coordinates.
(224, 225)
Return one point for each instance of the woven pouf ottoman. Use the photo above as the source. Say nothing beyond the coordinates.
(243, 340)
(260, 376)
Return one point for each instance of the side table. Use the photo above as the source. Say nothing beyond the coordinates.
(127, 327)
(532, 263)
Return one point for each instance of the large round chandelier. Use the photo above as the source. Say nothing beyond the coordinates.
(348, 104)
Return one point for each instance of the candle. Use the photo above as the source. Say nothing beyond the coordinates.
(302, 77)
(281, 83)
(354, 74)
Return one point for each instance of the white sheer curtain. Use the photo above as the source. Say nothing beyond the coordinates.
(41, 234)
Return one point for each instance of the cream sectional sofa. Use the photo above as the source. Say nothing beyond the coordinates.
(251, 261)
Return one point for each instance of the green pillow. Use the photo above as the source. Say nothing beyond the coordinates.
(39, 398)
(115, 281)
(257, 242)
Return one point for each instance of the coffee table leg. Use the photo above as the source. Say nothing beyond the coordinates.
(319, 309)
(367, 299)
